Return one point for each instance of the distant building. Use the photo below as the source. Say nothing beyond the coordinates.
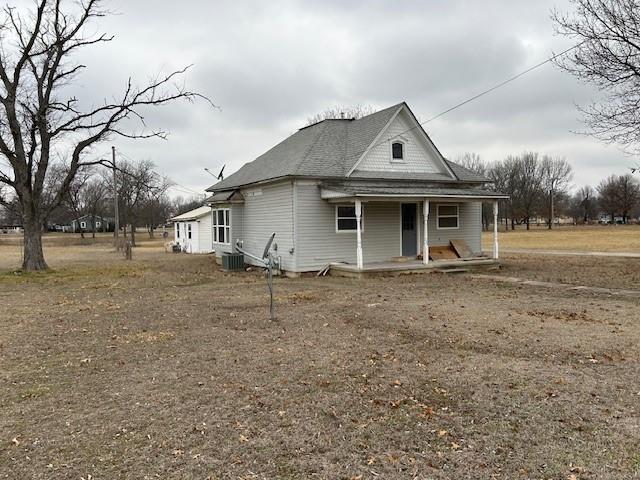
(606, 218)
(11, 229)
(86, 224)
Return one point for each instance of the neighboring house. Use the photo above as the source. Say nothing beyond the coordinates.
(606, 218)
(353, 191)
(8, 229)
(86, 224)
(192, 230)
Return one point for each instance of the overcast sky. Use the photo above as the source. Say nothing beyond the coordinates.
(271, 65)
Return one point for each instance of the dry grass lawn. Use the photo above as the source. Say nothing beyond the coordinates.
(167, 367)
(602, 238)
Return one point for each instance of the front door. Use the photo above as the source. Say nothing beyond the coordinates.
(409, 230)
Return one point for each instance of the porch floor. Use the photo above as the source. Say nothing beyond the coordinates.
(410, 266)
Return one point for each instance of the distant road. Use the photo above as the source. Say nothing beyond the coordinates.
(530, 251)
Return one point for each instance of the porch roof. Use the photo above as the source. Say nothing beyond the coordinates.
(362, 190)
(232, 196)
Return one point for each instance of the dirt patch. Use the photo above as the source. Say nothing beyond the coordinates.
(615, 273)
(176, 372)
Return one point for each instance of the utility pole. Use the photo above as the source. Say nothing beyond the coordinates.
(116, 213)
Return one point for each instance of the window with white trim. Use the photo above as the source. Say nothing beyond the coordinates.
(346, 218)
(448, 217)
(221, 226)
(98, 224)
(189, 231)
(397, 152)
(178, 230)
(83, 224)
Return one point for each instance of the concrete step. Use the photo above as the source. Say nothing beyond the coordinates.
(451, 270)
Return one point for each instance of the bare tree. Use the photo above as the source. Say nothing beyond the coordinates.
(503, 176)
(95, 195)
(619, 195)
(608, 195)
(36, 119)
(587, 201)
(138, 184)
(556, 173)
(607, 55)
(628, 195)
(182, 205)
(337, 112)
(473, 161)
(528, 186)
(74, 198)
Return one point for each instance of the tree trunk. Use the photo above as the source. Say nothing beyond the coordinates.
(133, 235)
(551, 212)
(33, 256)
(528, 226)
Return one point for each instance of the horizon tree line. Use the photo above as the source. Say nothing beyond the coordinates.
(540, 186)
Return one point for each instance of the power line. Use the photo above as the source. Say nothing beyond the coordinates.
(485, 92)
(186, 192)
(182, 188)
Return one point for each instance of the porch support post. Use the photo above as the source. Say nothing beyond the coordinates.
(359, 259)
(495, 230)
(425, 247)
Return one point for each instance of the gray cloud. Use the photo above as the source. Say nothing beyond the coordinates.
(270, 65)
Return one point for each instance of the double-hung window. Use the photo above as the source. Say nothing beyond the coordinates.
(346, 219)
(448, 217)
(189, 231)
(221, 226)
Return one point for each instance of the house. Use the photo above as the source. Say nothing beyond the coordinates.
(11, 229)
(358, 192)
(192, 230)
(86, 223)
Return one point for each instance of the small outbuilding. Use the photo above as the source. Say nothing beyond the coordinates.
(192, 230)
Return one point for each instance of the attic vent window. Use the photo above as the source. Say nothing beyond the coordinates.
(397, 151)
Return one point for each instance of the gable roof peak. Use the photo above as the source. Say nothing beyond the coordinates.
(330, 148)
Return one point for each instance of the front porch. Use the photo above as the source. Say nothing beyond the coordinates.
(410, 267)
(420, 223)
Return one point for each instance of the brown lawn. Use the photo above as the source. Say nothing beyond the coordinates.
(604, 238)
(167, 367)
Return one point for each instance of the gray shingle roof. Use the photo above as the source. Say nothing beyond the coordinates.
(465, 174)
(326, 149)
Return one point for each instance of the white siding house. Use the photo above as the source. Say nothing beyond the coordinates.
(193, 230)
(355, 192)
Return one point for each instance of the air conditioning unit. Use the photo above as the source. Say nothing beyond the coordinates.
(232, 261)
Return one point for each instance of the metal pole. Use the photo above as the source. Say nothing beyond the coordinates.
(116, 213)
(495, 230)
